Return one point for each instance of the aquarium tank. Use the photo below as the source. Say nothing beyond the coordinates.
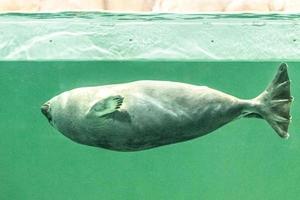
(43, 55)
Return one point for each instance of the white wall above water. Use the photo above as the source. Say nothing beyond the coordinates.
(107, 36)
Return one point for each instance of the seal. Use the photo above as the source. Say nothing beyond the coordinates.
(146, 114)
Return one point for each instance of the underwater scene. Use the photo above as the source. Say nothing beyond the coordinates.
(244, 159)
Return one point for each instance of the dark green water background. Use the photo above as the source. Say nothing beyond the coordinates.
(242, 160)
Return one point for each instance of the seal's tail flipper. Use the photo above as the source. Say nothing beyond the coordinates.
(274, 103)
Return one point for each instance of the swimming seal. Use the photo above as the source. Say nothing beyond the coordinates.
(145, 114)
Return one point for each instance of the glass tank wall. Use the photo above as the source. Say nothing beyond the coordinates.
(43, 55)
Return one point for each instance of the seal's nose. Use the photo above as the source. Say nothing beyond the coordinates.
(45, 110)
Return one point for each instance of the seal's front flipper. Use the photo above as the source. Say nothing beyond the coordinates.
(106, 106)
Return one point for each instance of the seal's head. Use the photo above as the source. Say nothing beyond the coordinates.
(50, 110)
(67, 111)
(75, 113)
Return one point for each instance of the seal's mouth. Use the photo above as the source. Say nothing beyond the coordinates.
(45, 109)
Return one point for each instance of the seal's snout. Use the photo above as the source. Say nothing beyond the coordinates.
(45, 109)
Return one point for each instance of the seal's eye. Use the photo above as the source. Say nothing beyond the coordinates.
(45, 109)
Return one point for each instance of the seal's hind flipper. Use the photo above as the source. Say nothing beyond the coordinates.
(275, 102)
(106, 106)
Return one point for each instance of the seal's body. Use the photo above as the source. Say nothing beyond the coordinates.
(146, 114)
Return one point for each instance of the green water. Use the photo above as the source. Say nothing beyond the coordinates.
(242, 160)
